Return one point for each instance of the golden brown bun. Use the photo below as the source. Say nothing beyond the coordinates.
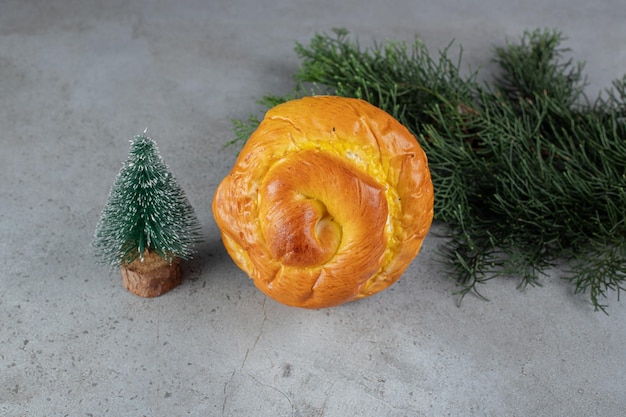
(329, 201)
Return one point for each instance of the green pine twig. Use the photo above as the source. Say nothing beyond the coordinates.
(527, 170)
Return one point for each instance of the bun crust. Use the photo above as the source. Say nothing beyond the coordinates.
(329, 201)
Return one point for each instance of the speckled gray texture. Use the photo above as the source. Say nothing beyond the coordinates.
(79, 78)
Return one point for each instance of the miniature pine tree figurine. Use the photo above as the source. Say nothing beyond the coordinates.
(147, 226)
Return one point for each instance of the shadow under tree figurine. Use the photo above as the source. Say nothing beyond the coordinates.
(147, 225)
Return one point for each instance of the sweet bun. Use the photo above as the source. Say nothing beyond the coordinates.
(329, 201)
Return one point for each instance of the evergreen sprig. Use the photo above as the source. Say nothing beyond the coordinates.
(146, 211)
(527, 171)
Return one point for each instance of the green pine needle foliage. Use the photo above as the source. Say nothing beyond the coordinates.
(146, 211)
(528, 172)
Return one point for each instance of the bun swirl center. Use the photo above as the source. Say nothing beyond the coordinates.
(317, 209)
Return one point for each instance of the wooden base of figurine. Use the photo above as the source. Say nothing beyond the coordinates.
(151, 277)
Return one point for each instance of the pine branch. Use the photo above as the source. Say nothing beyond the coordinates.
(527, 171)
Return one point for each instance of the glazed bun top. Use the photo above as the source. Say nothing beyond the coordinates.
(329, 201)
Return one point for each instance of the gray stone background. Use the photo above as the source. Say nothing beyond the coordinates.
(79, 78)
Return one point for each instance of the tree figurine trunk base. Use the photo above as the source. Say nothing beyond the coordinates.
(151, 277)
